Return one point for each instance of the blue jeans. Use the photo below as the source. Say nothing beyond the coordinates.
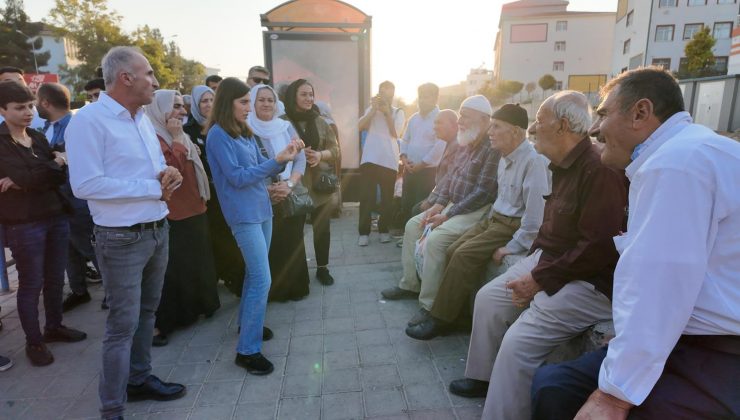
(40, 252)
(254, 242)
(132, 264)
(80, 251)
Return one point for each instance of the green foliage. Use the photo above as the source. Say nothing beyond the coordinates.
(530, 87)
(547, 82)
(512, 87)
(494, 93)
(16, 49)
(699, 55)
(96, 29)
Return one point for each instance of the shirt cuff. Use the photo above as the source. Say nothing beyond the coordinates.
(515, 247)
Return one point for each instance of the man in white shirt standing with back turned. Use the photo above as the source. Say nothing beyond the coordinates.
(116, 164)
(676, 302)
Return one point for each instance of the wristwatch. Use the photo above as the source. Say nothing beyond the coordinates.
(290, 183)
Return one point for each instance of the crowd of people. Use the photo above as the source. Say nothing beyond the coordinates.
(167, 193)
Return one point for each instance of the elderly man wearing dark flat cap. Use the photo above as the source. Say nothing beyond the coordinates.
(509, 228)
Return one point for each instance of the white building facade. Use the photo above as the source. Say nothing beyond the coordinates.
(655, 32)
(63, 52)
(476, 79)
(538, 37)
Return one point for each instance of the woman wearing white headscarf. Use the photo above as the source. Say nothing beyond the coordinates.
(288, 267)
(226, 254)
(190, 280)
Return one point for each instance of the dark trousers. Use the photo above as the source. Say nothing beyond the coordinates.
(40, 252)
(416, 187)
(320, 222)
(698, 382)
(80, 251)
(372, 176)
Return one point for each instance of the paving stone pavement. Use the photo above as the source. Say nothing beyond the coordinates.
(340, 353)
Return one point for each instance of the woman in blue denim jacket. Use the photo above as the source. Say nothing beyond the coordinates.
(239, 171)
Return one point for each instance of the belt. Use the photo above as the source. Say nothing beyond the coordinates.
(140, 226)
(724, 343)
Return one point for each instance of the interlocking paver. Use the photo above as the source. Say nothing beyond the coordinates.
(340, 353)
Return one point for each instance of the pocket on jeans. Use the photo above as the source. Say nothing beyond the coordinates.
(118, 239)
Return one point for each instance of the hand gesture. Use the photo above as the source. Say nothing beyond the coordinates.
(60, 158)
(7, 184)
(174, 127)
(278, 191)
(437, 220)
(499, 254)
(312, 157)
(170, 179)
(291, 151)
(523, 290)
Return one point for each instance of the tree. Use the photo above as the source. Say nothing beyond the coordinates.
(511, 87)
(151, 43)
(530, 87)
(18, 49)
(699, 55)
(546, 83)
(94, 29)
(494, 93)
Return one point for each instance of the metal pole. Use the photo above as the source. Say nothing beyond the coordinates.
(33, 49)
(4, 283)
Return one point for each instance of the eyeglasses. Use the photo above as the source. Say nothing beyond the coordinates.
(260, 80)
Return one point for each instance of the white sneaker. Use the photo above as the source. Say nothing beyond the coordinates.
(363, 240)
(385, 238)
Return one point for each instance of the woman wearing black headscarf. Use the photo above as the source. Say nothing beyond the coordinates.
(321, 154)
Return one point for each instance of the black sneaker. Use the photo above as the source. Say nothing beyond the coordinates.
(93, 275)
(39, 354)
(63, 334)
(256, 363)
(74, 300)
(322, 274)
(5, 363)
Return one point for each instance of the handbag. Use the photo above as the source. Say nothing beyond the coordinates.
(419, 249)
(326, 181)
(297, 203)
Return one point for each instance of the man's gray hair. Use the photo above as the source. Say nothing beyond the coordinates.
(574, 107)
(118, 60)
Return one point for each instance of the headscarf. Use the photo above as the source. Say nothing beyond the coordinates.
(311, 134)
(197, 93)
(157, 111)
(276, 131)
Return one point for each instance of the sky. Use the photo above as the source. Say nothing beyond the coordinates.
(413, 41)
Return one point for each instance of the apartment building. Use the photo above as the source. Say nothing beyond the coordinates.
(538, 37)
(655, 32)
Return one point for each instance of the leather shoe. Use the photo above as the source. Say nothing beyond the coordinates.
(256, 363)
(420, 317)
(63, 334)
(427, 329)
(322, 274)
(39, 354)
(74, 300)
(396, 293)
(154, 389)
(160, 340)
(469, 388)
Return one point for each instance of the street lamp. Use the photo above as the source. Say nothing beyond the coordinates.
(33, 50)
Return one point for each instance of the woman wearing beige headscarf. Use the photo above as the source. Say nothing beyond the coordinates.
(190, 281)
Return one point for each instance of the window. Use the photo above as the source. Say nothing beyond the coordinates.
(722, 30)
(529, 32)
(630, 18)
(664, 33)
(558, 66)
(720, 64)
(667, 3)
(697, 2)
(626, 47)
(683, 65)
(662, 62)
(558, 85)
(561, 26)
(690, 29)
(726, 1)
(560, 46)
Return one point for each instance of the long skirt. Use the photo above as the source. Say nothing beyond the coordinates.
(190, 281)
(288, 266)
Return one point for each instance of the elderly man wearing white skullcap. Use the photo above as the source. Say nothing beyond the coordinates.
(462, 198)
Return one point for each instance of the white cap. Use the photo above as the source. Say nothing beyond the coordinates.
(478, 103)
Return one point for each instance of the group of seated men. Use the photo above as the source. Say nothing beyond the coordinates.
(665, 268)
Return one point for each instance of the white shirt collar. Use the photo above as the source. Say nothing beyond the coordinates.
(116, 108)
(666, 131)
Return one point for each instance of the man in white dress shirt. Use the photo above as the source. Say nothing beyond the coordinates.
(116, 164)
(421, 151)
(676, 302)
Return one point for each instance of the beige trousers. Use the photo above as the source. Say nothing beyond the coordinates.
(506, 348)
(435, 252)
